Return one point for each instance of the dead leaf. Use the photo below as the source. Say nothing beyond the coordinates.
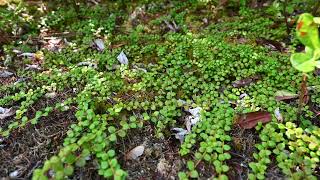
(139, 68)
(250, 120)
(37, 57)
(163, 166)
(21, 79)
(173, 27)
(27, 54)
(116, 45)
(180, 133)
(5, 112)
(242, 40)
(99, 44)
(5, 74)
(304, 93)
(135, 153)
(122, 58)
(188, 123)
(273, 45)
(33, 67)
(278, 114)
(54, 44)
(285, 95)
(245, 81)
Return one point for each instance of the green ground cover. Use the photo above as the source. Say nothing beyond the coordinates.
(88, 110)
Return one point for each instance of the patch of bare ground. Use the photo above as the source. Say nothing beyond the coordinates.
(241, 153)
(27, 148)
(243, 147)
(160, 159)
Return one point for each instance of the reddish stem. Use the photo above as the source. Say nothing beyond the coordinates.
(303, 94)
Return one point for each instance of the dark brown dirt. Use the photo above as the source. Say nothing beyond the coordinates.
(160, 159)
(241, 153)
(27, 148)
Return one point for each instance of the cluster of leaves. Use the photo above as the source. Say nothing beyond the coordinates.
(211, 137)
(296, 150)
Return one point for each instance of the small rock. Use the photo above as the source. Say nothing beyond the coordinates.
(135, 153)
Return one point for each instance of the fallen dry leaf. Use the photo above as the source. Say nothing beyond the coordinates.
(99, 44)
(278, 115)
(5, 112)
(273, 45)
(135, 153)
(33, 67)
(180, 133)
(250, 120)
(54, 44)
(5, 74)
(285, 95)
(245, 81)
(304, 93)
(122, 58)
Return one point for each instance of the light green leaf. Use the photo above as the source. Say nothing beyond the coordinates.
(108, 173)
(81, 162)
(104, 165)
(70, 158)
(303, 62)
(68, 170)
(194, 174)
(307, 31)
(190, 165)
(316, 20)
(285, 93)
(225, 168)
(112, 137)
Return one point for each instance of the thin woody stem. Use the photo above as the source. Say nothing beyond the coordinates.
(303, 92)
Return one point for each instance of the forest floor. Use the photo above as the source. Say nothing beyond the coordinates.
(154, 90)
